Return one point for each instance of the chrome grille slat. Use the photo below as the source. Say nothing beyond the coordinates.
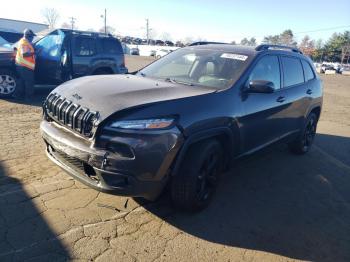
(65, 112)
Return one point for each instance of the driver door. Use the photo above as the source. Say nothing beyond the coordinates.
(49, 53)
(263, 118)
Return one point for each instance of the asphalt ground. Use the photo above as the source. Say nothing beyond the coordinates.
(273, 206)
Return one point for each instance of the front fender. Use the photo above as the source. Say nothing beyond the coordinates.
(227, 135)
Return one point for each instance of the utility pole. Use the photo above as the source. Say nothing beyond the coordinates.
(72, 21)
(105, 20)
(148, 30)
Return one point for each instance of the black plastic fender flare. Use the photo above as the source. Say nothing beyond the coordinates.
(200, 136)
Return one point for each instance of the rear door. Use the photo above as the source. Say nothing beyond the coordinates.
(83, 53)
(263, 117)
(294, 91)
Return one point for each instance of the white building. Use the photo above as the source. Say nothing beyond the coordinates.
(17, 26)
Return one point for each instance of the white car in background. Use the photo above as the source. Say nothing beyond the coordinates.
(162, 52)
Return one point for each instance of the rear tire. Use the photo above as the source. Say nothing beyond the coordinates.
(304, 141)
(8, 83)
(193, 187)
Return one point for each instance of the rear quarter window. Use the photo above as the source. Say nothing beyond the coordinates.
(111, 46)
(308, 72)
(84, 46)
(292, 71)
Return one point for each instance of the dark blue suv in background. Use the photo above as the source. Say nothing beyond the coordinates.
(65, 54)
(182, 120)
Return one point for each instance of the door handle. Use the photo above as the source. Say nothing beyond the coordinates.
(309, 91)
(280, 99)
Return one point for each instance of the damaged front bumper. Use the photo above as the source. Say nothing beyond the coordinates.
(139, 168)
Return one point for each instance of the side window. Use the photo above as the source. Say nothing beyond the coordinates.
(267, 69)
(111, 46)
(84, 46)
(309, 73)
(50, 46)
(292, 71)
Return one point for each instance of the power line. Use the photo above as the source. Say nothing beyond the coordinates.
(309, 31)
(323, 29)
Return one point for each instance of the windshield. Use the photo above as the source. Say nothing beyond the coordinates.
(204, 67)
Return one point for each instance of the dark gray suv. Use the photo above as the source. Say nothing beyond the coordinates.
(182, 119)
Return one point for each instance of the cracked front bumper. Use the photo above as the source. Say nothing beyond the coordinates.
(144, 174)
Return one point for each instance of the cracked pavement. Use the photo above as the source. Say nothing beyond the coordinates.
(272, 206)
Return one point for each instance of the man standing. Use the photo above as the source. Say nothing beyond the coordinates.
(25, 63)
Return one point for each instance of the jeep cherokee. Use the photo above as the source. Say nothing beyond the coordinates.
(182, 119)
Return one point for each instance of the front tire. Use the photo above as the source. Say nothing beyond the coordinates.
(193, 187)
(305, 140)
(8, 83)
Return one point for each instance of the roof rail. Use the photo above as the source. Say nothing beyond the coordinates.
(280, 47)
(91, 33)
(205, 43)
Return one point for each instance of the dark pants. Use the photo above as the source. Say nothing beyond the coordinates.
(27, 78)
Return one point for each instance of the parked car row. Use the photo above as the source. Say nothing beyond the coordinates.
(140, 41)
(332, 68)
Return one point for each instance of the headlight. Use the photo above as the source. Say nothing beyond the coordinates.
(144, 124)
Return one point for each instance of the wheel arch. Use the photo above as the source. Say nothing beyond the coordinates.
(317, 111)
(104, 69)
(314, 109)
(223, 134)
(9, 68)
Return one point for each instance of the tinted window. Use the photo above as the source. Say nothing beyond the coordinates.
(292, 71)
(309, 73)
(267, 69)
(111, 46)
(84, 46)
(50, 46)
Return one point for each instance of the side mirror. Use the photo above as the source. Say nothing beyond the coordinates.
(261, 86)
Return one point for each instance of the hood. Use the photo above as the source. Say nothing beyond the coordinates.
(108, 94)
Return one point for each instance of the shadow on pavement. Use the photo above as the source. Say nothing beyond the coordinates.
(40, 94)
(24, 234)
(277, 202)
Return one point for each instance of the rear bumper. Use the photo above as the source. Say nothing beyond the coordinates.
(108, 172)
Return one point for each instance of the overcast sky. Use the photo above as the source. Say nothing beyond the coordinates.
(216, 20)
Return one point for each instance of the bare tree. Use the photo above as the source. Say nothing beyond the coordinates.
(307, 46)
(110, 30)
(251, 42)
(65, 25)
(51, 16)
(165, 36)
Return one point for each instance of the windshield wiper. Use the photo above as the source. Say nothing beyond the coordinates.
(172, 80)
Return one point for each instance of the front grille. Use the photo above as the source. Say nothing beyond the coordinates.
(67, 113)
(73, 162)
(76, 164)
